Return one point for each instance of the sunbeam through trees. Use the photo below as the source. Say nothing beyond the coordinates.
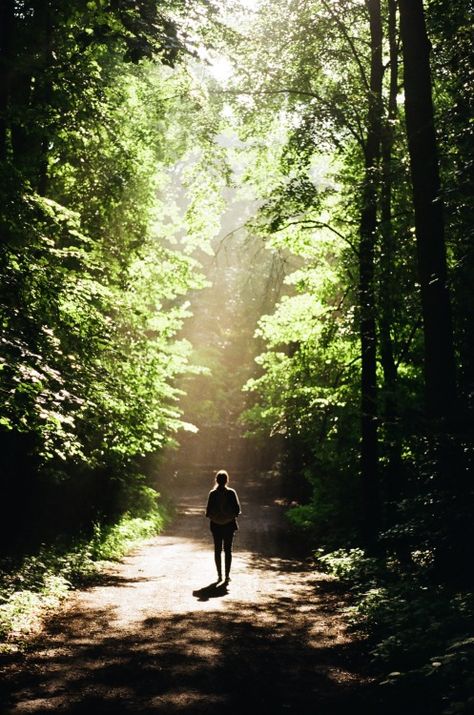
(239, 234)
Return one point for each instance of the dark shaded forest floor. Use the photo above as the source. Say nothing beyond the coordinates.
(155, 636)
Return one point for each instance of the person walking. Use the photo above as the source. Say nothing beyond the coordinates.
(223, 508)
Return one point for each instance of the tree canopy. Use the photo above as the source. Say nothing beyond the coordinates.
(250, 219)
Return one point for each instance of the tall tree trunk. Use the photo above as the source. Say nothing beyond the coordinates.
(44, 90)
(6, 33)
(368, 229)
(455, 550)
(31, 98)
(438, 334)
(23, 150)
(387, 282)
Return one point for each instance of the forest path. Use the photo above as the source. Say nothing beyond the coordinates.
(155, 637)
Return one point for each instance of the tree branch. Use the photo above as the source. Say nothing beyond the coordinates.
(320, 224)
(350, 42)
(408, 342)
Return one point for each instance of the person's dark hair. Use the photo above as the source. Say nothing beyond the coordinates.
(222, 477)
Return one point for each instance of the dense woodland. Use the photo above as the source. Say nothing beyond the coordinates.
(313, 160)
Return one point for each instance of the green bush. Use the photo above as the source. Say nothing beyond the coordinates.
(421, 635)
(37, 584)
(352, 566)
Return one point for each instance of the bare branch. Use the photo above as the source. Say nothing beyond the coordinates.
(320, 224)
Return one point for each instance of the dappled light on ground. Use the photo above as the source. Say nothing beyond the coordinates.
(158, 635)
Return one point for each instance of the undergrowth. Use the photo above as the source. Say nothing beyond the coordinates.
(37, 583)
(421, 634)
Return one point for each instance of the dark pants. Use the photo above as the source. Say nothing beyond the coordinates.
(223, 536)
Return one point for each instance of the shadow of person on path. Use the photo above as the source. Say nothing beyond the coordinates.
(214, 590)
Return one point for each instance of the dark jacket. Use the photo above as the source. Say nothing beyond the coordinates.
(223, 506)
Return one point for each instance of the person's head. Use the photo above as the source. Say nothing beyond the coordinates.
(222, 478)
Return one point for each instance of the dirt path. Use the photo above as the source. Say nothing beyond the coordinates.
(155, 637)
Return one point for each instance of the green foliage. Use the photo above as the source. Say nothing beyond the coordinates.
(307, 389)
(351, 566)
(112, 542)
(113, 185)
(39, 582)
(98, 255)
(420, 633)
(303, 123)
(81, 352)
(300, 101)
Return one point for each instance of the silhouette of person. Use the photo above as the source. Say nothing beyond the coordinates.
(223, 507)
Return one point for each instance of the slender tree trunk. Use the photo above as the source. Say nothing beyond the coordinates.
(45, 91)
(438, 334)
(6, 27)
(387, 283)
(22, 148)
(30, 96)
(368, 229)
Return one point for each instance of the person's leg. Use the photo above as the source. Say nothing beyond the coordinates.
(228, 553)
(217, 553)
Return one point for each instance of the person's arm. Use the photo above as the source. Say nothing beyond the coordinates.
(238, 510)
(208, 507)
